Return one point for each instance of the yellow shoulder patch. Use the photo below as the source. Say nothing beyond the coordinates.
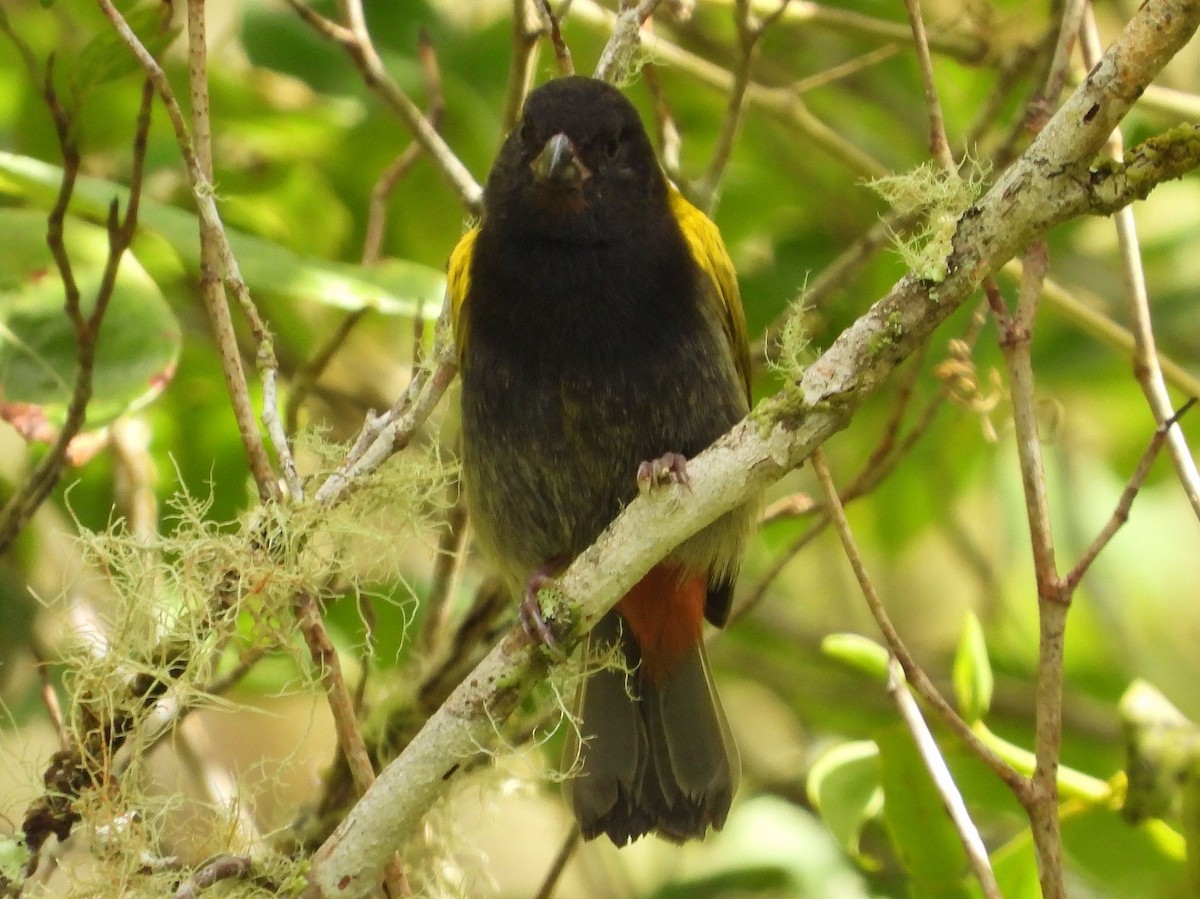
(704, 241)
(458, 282)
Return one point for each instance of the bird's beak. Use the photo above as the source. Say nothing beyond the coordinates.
(558, 164)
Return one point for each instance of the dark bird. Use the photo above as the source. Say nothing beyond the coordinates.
(601, 342)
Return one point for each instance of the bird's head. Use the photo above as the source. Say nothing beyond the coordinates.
(578, 167)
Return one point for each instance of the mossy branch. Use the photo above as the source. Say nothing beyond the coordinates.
(1114, 185)
(1049, 184)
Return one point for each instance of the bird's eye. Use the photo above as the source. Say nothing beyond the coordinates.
(525, 131)
(612, 148)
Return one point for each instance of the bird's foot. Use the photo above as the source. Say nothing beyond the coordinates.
(669, 468)
(529, 612)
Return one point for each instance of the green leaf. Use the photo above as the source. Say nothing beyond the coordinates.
(1015, 867)
(1162, 749)
(1189, 821)
(14, 856)
(106, 57)
(1098, 841)
(843, 785)
(858, 652)
(139, 336)
(924, 836)
(769, 847)
(973, 681)
(398, 287)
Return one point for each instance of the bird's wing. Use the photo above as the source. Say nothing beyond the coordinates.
(704, 241)
(458, 281)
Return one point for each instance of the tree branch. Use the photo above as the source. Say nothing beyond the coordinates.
(939, 146)
(1146, 365)
(943, 781)
(86, 326)
(355, 39)
(623, 41)
(525, 43)
(911, 673)
(750, 34)
(550, 22)
(784, 103)
(212, 233)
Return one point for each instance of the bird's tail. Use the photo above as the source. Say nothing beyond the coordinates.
(653, 751)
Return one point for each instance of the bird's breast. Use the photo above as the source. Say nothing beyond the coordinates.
(581, 363)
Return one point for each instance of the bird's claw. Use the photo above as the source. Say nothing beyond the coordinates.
(669, 468)
(529, 613)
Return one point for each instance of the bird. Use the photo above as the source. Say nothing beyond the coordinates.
(601, 342)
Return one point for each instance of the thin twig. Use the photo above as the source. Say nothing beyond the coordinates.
(41, 665)
(562, 53)
(750, 33)
(354, 37)
(1041, 801)
(846, 69)
(223, 867)
(218, 267)
(783, 103)
(669, 141)
(418, 338)
(307, 375)
(883, 460)
(233, 677)
(794, 505)
(435, 111)
(872, 470)
(460, 653)
(381, 191)
(525, 46)
(1183, 105)
(1081, 309)
(368, 616)
(345, 718)
(913, 673)
(1121, 513)
(310, 372)
(1042, 105)
(1014, 141)
(623, 40)
(943, 781)
(45, 475)
(329, 669)
(1012, 70)
(1146, 365)
(832, 279)
(134, 476)
(565, 851)
(23, 48)
(970, 47)
(753, 596)
(386, 434)
(210, 225)
(939, 146)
